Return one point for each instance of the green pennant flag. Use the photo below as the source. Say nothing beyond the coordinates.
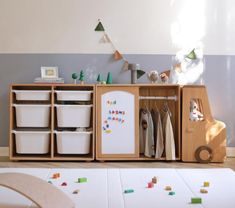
(99, 27)
(192, 55)
(140, 73)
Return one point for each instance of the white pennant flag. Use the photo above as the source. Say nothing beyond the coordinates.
(105, 39)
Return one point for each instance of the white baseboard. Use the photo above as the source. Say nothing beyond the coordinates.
(4, 151)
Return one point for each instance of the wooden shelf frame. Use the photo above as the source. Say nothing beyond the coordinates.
(52, 155)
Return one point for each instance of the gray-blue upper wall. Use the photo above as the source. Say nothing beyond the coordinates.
(219, 77)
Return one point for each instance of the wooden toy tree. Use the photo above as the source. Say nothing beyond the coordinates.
(75, 77)
(99, 79)
(82, 77)
(109, 79)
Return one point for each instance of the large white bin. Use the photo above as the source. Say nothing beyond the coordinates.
(32, 142)
(73, 95)
(73, 142)
(32, 115)
(73, 115)
(32, 94)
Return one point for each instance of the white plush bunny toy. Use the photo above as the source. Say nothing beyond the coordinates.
(195, 114)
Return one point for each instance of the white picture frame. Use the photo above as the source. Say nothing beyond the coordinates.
(49, 72)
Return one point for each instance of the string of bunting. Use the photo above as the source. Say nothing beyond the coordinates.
(117, 55)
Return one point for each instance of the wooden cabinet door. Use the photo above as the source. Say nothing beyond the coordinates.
(117, 122)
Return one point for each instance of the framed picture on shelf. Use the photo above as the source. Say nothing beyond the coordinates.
(49, 72)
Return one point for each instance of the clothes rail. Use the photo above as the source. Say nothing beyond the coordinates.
(158, 98)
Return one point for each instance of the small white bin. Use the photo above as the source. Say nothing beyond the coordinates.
(73, 115)
(32, 115)
(32, 142)
(32, 94)
(73, 142)
(73, 95)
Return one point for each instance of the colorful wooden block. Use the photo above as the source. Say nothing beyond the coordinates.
(150, 185)
(76, 191)
(196, 200)
(154, 179)
(128, 191)
(56, 175)
(203, 191)
(168, 188)
(171, 193)
(206, 184)
(64, 184)
(82, 180)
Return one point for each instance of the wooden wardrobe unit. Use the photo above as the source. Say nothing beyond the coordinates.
(122, 141)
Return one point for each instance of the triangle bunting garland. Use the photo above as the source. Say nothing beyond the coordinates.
(125, 66)
(105, 39)
(117, 55)
(140, 73)
(99, 27)
(192, 55)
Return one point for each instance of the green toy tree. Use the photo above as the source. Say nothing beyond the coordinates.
(99, 79)
(74, 77)
(82, 76)
(192, 55)
(109, 79)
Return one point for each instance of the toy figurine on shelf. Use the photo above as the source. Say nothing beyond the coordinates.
(164, 78)
(153, 76)
(82, 77)
(75, 77)
(195, 114)
(99, 79)
(109, 79)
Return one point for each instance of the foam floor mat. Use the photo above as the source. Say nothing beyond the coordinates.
(105, 188)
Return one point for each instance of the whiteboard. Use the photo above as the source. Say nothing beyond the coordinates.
(118, 123)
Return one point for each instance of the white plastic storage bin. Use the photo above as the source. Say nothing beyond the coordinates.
(73, 115)
(32, 142)
(32, 115)
(73, 142)
(32, 94)
(73, 95)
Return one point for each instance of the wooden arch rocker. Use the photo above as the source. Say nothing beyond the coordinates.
(43, 194)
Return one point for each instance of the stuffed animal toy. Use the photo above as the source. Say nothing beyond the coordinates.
(195, 114)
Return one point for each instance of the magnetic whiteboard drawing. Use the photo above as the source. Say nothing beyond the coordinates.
(118, 123)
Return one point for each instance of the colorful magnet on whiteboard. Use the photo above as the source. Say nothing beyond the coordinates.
(114, 102)
(104, 128)
(123, 112)
(116, 112)
(110, 112)
(120, 112)
(109, 118)
(120, 120)
(105, 121)
(117, 119)
(108, 131)
(123, 121)
(113, 118)
(107, 126)
(113, 112)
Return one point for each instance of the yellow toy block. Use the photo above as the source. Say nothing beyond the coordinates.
(206, 184)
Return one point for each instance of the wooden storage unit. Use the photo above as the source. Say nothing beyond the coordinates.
(207, 132)
(52, 101)
(139, 96)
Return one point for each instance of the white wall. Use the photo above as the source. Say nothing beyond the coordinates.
(135, 26)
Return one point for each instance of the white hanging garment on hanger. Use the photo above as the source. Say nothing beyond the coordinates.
(158, 133)
(169, 136)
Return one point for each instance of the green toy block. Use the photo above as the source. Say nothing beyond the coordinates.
(196, 200)
(82, 180)
(171, 193)
(128, 191)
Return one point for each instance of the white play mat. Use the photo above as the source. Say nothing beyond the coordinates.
(105, 187)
